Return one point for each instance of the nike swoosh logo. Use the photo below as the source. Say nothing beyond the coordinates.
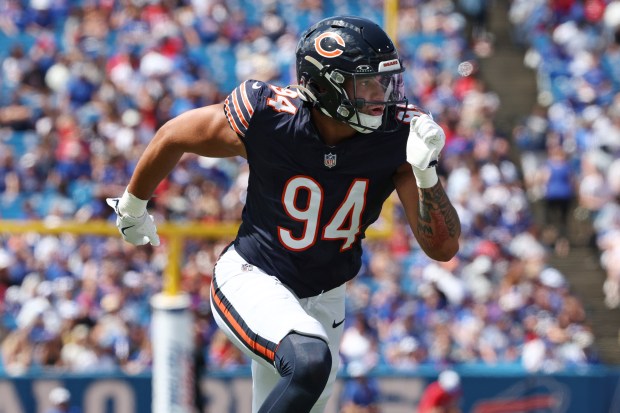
(336, 324)
(255, 85)
(116, 201)
(124, 228)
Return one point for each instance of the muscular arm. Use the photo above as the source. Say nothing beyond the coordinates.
(202, 131)
(430, 213)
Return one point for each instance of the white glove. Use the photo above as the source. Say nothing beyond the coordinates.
(425, 142)
(136, 231)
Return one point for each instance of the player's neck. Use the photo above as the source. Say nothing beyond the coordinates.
(331, 131)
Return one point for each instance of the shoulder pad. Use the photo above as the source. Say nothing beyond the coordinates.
(253, 96)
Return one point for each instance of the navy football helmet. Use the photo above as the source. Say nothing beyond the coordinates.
(350, 49)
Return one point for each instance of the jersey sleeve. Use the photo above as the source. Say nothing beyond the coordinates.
(241, 104)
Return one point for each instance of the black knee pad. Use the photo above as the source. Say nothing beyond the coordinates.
(307, 359)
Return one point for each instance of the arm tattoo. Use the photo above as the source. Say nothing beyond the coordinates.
(437, 218)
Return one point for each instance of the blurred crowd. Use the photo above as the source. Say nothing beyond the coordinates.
(84, 85)
(571, 140)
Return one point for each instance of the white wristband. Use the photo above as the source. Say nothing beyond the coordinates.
(131, 205)
(426, 178)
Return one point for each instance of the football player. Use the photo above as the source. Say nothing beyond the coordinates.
(323, 155)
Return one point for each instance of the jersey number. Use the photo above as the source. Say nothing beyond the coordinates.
(282, 102)
(344, 224)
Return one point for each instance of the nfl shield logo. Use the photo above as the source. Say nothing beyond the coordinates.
(330, 160)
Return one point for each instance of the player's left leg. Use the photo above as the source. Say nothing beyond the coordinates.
(304, 363)
(329, 309)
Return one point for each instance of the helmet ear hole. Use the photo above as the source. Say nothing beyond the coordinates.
(317, 88)
(313, 87)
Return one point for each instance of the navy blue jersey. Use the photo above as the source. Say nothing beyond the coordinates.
(308, 204)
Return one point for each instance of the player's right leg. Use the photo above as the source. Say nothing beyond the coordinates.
(266, 321)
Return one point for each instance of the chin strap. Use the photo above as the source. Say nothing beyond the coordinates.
(367, 123)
